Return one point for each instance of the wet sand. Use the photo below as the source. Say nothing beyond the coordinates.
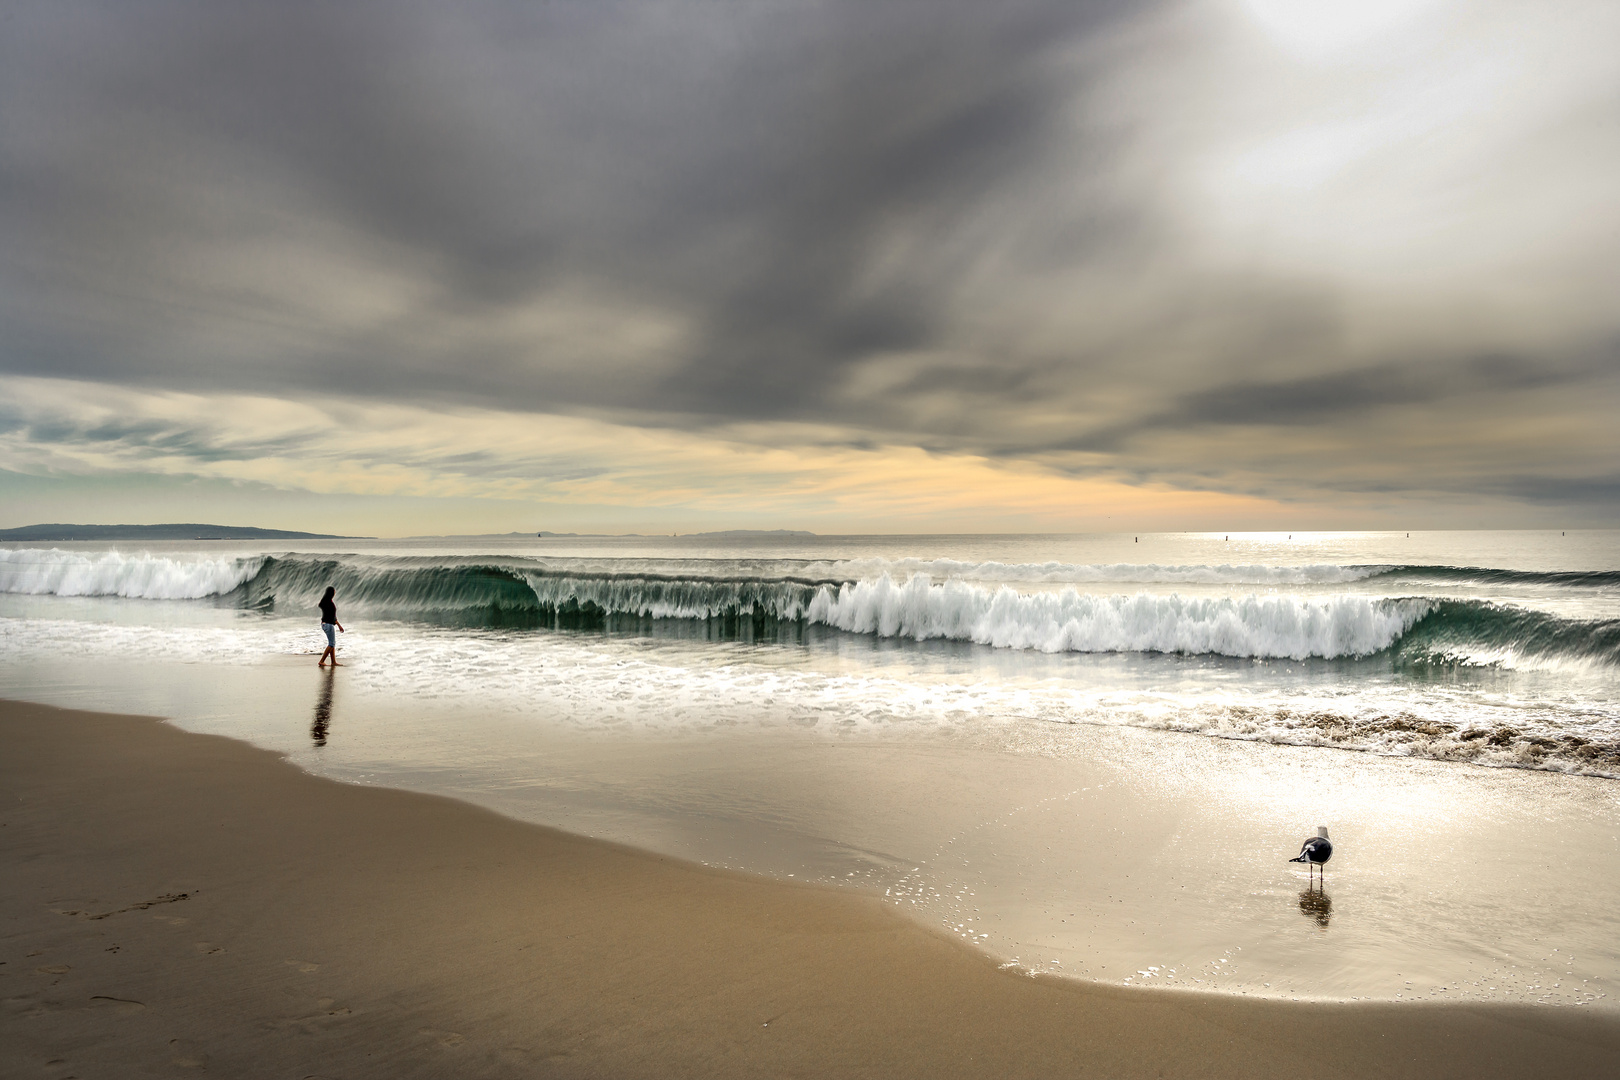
(179, 900)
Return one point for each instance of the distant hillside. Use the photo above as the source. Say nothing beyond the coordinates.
(754, 532)
(46, 533)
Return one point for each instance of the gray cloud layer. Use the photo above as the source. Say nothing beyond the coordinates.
(1011, 229)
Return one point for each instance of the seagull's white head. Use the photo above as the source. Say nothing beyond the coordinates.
(1321, 830)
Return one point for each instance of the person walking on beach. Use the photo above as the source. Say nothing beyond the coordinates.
(328, 621)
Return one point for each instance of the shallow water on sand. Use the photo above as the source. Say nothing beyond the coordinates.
(1096, 852)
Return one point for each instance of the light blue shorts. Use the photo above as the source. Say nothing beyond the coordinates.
(331, 634)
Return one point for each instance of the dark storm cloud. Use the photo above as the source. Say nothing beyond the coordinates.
(937, 224)
(728, 161)
(1314, 400)
(1564, 491)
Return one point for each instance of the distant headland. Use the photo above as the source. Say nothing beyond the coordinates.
(38, 533)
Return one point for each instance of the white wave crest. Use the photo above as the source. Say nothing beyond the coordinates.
(39, 572)
(1124, 573)
(1070, 621)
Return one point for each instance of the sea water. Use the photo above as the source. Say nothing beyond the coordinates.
(1086, 755)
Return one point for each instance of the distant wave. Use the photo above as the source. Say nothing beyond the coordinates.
(1478, 575)
(1414, 630)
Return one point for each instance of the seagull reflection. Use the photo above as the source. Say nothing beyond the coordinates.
(1315, 903)
(323, 707)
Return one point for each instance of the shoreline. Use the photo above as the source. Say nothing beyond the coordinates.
(186, 899)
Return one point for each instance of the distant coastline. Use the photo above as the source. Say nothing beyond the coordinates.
(545, 534)
(60, 532)
(702, 535)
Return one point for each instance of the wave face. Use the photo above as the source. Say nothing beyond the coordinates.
(1477, 633)
(918, 608)
(504, 593)
(1413, 631)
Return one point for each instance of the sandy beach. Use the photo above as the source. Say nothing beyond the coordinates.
(184, 901)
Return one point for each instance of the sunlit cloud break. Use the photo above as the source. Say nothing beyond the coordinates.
(400, 450)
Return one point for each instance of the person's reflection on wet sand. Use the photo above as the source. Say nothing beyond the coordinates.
(323, 708)
(1315, 903)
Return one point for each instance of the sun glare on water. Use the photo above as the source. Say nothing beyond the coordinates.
(1322, 27)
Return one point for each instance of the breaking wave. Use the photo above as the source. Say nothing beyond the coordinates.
(1071, 621)
(1084, 574)
(1414, 630)
(109, 573)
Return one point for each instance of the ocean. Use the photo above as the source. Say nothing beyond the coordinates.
(1088, 756)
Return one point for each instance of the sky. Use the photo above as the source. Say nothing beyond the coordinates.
(675, 265)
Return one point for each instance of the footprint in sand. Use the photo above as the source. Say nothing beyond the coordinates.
(122, 1006)
(444, 1038)
(187, 1055)
(330, 1014)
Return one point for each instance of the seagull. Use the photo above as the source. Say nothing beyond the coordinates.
(1316, 850)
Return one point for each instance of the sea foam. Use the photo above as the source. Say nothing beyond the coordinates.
(54, 572)
(1071, 621)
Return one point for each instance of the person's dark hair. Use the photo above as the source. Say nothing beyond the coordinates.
(330, 589)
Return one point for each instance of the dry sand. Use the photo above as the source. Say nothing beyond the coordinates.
(178, 901)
